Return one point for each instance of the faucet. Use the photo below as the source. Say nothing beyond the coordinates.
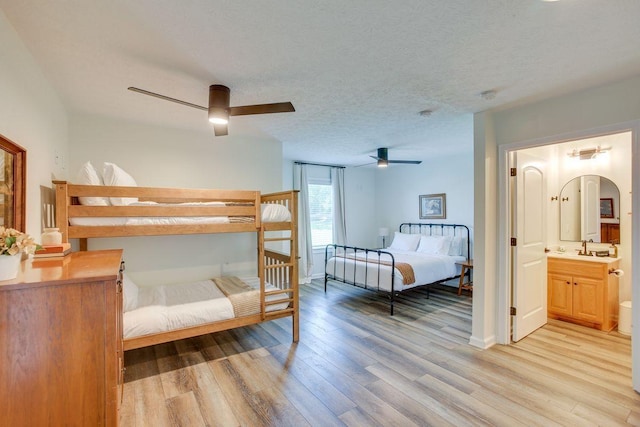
(584, 249)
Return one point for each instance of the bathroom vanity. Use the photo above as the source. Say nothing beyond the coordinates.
(583, 290)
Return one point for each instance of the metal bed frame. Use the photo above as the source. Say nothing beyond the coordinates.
(374, 256)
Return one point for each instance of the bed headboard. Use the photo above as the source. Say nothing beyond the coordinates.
(438, 230)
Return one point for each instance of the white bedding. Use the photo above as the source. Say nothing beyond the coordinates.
(271, 212)
(169, 307)
(427, 269)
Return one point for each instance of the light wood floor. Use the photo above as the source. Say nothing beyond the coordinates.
(355, 365)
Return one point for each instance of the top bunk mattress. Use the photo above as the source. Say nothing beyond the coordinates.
(270, 212)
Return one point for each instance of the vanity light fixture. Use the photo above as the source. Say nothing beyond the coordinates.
(590, 153)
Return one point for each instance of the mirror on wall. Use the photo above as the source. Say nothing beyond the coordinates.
(12, 184)
(590, 210)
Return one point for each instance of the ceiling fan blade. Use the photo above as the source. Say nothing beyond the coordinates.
(220, 130)
(166, 98)
(365, 164)
(278, 107)
(407, 162)
(377, 158)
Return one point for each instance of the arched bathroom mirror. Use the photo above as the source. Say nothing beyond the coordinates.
(13, 162)
(590, 210)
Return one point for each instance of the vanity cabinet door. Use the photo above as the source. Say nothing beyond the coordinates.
(588, 299)
(560, 300)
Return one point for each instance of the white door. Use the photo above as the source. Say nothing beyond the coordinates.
(590, 206)
(529, 258)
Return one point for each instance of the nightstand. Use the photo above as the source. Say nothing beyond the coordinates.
(465, 268)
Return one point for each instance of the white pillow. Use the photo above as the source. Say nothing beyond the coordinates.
(129, 293)
(114, 176)
(87, 175)
(455, 249)
(434, 245)
(405, 242)
(275, 212)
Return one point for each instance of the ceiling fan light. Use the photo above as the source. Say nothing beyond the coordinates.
(383, 163)
(218, 120)
(219, 104)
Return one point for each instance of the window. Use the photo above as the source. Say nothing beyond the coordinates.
(321, 212)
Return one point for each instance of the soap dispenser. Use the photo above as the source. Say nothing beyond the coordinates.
(613, 250)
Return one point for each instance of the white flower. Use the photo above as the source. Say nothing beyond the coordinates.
(13, 242)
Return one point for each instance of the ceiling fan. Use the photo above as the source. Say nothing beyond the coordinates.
(219, 109)
(383, 159)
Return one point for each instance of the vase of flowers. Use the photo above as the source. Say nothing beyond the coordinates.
(13, 244)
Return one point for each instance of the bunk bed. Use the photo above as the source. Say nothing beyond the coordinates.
(149, 211)
(421, 254)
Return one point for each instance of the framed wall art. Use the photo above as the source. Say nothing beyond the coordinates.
(606, 208)
(433, 206)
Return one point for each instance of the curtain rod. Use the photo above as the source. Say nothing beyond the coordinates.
(319, 164)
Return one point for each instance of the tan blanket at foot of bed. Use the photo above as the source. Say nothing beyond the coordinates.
(408, 276)
(244, 299)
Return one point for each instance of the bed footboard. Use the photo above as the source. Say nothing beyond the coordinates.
(360, 267)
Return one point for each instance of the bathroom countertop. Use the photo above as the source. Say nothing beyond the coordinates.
(575, 256)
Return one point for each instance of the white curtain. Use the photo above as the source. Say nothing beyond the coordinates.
(305, 245)
(339, 221)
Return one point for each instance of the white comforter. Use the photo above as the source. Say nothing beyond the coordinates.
(170, 307)
(427, 269)
(271, 212)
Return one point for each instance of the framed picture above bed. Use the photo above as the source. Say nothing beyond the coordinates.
(433, 206)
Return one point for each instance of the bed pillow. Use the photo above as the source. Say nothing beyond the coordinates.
(434, 245)
(88, 175)
(455, 249)
(405, 242)
(275, 212)
(115, 176)
(129, 294)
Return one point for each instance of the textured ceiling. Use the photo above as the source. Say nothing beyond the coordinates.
(357, 71)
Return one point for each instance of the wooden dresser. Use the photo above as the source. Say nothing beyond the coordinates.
(61, 341)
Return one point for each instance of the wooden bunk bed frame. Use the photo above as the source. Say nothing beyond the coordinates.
(279, 269)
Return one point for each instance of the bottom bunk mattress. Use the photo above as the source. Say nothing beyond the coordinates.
(411, 269)
(157, 309)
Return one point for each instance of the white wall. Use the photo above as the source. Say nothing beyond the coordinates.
(165, 157)
(398, 188)
(589, 112)
(361, 196)
(32, 116)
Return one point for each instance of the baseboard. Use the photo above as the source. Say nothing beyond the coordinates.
(483, 343)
